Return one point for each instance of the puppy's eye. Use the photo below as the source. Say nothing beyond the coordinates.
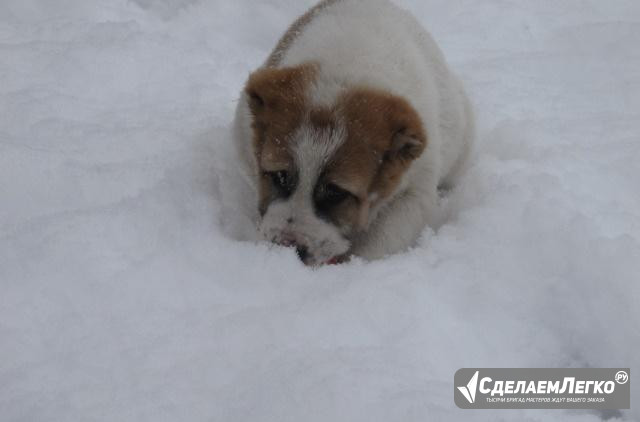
(330, 195)
(335, 194)
(282, 182)
(280, 179)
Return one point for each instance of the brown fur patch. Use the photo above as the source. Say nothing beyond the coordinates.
(278, 102)
(384, 135)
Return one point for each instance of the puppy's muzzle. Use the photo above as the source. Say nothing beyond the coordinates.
(301, 250)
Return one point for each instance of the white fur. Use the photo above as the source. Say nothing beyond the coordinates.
(375, 44)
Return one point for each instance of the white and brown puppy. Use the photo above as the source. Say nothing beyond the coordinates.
(349, 129)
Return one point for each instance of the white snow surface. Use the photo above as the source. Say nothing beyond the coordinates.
(126, 294)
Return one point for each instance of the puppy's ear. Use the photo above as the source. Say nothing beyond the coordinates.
(256, 102)
(256, 90)
(408, 139)
(406, 146)
(407, 143)
(272, 90)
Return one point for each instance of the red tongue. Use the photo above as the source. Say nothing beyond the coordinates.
(333, 261)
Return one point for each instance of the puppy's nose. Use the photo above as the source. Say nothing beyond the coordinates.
(289, 242)
(303, 252)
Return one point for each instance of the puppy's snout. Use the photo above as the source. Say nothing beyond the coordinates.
(303, 252)
(287, 243)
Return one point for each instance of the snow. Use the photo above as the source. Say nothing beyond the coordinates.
(127, 296)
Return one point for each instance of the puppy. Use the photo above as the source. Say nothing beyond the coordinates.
(348, 131)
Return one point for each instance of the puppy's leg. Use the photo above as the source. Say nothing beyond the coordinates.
(399, 225)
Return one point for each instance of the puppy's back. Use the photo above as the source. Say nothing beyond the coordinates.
(375, 44)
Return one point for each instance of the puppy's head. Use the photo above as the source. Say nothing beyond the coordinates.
(324, 169)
